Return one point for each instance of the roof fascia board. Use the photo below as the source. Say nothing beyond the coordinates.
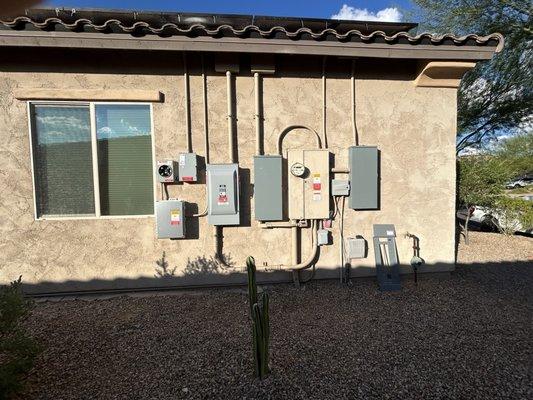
(275, 46)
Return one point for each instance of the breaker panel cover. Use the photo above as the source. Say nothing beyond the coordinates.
(170, 219)
(268, 188)
(364, 177)
(309, 191)
(223, 194)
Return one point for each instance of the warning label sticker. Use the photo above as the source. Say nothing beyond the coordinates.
(222, 196)
(317, 186)
(175, 217)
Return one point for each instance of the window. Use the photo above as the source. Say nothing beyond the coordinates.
(92, 159)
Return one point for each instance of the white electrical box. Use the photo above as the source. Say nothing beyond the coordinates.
(322, 237)
(167, 171)
(340, 187)
(356, 247)
(309, 191)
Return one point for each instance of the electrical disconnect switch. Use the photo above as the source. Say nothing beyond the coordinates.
(223, 194)
(170, 219)
(188, 167)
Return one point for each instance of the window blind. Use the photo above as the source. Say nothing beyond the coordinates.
(62, 160)
(125, 159)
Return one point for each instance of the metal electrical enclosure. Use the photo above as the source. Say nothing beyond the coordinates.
(308, 184)
(268, 196)
(167, 171)
(364, 177)
(188, 167)
(170, 219)
(223, 194)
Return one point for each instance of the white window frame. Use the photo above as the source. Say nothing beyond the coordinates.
(94, 148)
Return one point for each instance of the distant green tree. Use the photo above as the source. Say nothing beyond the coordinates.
(497, 95)
(517, 151)
(481, 180)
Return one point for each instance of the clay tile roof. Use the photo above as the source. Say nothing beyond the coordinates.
(140, 23)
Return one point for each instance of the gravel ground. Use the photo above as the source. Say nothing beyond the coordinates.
(464, 337)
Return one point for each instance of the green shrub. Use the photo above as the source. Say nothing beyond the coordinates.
(514, 213)
(17, 349)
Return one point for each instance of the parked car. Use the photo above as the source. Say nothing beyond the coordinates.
(491, 220)
(520, 182)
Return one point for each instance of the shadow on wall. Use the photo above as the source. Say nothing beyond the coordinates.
(207, 271)
(201, 265)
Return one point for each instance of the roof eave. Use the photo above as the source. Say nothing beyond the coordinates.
(229, 44)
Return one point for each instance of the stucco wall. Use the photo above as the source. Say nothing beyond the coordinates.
(413, 127)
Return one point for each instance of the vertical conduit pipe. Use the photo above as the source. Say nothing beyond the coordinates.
(231, 149)
(206, 112)
(258, 116)
(186, 90)
(324, 121)
(231, 118)
(354, 125)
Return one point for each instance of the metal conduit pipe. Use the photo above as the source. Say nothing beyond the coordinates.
(324, 121)
(186, 91)
(309, 261)
(285, 131)
(280, 224)
(206, 113)
(354, 125)
(231, 149)
(258, 116)
(206, 131)
(231, 118)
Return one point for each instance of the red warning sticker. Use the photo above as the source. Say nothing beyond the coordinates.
(175, 217)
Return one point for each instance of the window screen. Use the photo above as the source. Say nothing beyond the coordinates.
(124, 159)
(63, 160)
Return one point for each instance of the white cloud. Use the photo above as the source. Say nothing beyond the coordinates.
(391, 14)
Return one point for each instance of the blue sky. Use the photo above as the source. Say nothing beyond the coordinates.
(355, 9)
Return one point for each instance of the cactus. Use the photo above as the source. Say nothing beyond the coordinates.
(260, 323)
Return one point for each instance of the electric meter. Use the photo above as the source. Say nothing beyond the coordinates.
(298, 169)
(167, 171)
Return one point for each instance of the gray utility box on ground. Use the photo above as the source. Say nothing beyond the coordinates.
(364, 177)
(223, 194)
(170, 219)
(268, 196)
(188, 167)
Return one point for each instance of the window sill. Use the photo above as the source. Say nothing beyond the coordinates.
(91, 217)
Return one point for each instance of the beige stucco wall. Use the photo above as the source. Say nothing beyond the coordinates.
(413, 127)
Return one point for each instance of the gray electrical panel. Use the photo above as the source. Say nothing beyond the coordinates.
(223, 194)
(364, 177)
(188, 167)
(170, 219)
(268, 195)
